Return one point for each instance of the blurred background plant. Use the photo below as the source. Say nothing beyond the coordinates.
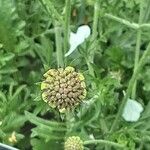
(34, 38)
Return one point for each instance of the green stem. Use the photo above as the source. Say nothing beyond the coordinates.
(49, 6)
(137, 50)
(90, 59)
(59, 52)
(96, 17)
(69, 122)
(67, 25)
(147, 12)
(90, 68)
(122, 21)
(129, 89)
(137, 54)
(103, 125)
(141, 146)
(127, 23)
(145, 25)
(95, 27)
(105, 142)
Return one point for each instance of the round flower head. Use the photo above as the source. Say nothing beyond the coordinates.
(63, 88)
(74, 143)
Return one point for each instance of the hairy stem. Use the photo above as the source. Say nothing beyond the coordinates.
(129, 24)
(137, 50)
(69, 122)
(131, 84)
(48, 5)
(96, 17)
(90, 59)
(59, 52)
(105, 142)
(67, 24)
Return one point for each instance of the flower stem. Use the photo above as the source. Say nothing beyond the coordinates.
(48, 5)
(67, 24)
(105, 142)
(126, 22)
(69, 122)
(96, 17)
(137, 50)
(131, 84)
(90, 59)
(122, 21)
(59, 52)
(137, 54)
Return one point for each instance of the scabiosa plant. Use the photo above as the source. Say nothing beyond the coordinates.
(63, 88)
(74, 143)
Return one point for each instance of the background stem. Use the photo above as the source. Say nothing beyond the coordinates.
(48, 5)
(129, 89)
(96, 17)
(129, 24)
(67, 25)
(59, 52)
(90, 59)
(105, 142)
(137, 50)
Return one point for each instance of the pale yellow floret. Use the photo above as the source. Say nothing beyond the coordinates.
(81, 77)
(69, 69)
(52, 105)
(44, 85)
(12, 138)
(83, 85)
(63, 110)
(84, 93)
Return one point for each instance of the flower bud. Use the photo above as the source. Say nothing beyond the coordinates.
(74, 143)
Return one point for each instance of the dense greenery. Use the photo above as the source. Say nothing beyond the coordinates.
(34, 37)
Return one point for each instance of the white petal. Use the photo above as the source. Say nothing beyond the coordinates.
(91, 136)
(72, 38)
(84, 31)
(73, 43)
(132, 111)
(78, 38)
(72, 48)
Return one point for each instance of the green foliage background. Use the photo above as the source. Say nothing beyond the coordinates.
(28, 49)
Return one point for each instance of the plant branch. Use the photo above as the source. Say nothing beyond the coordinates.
(67, 25)
(47, 4)
(96, 17)
(105, 142)
(129, 89)
(90, 59)
(122, 21)
(137, 49)
(59, 52)
(126, 22)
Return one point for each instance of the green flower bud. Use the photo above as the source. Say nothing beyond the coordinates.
(63, 89)
(74, 143)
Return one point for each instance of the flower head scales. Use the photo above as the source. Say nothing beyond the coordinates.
(63, 88)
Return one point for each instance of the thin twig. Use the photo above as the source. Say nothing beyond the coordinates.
(123, 21)
(105, 142)
(67, 25)
(47, 4)
(59, 52)
(90, 59)
(137, 49)
(129, 24)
